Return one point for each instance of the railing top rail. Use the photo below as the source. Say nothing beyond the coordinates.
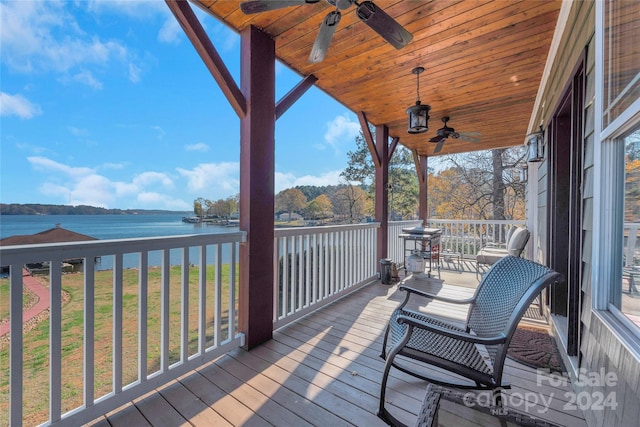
(405, 221)
(297, 231)
(478, 221)
(91, 248)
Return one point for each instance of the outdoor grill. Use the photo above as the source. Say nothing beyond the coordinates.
(423, 242)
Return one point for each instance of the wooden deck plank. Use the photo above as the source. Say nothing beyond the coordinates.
(189, 405)
(229, 409)
(158, 411)
(127, 416)
(325, 369)
(207, 392)
(280, 392)
(227, 373)
(352, 405)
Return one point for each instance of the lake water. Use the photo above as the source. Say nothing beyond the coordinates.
(105, 227)
(108, 226)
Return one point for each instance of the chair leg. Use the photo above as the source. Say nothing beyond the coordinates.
(540, 303)
(382, 412)
(498, 405)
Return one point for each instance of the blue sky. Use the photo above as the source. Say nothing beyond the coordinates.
(107, 103)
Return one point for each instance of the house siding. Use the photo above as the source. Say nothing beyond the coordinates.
(600, 347)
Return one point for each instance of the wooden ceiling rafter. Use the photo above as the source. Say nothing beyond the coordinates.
(368, 138)
(294, 94)
(205, 48)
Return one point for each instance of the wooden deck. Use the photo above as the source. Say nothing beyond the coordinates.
(325, 370)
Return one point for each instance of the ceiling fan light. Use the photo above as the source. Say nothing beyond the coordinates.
(418, 118)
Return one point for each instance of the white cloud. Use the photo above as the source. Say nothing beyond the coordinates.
(86, 78)
(201, 146)
(17, 105)
(160, 133)
(149, 178)
(115, 166)
(84, 186)
(341, 131)
(134, 73)
(170, 31)
(47, 165)
(45, 36)
(78, 132)
(150, 199)
(213, 180)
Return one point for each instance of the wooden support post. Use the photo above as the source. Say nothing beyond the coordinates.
(382, 189)
(257, 165)
(423, 207)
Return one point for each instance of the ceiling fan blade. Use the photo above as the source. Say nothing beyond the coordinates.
(323, 39)
(467, 136)
(438, 138)
(383, 24)
(257, 6)
(439, 146)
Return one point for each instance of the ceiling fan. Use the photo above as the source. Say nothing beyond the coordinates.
(377, 19)
(445, 132)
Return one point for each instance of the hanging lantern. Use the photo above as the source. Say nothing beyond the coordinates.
(535, 143)
(418, 113)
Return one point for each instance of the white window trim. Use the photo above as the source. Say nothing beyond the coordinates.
(608, 205)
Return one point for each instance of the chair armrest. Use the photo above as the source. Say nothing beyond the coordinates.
(411, 290)
(452, 333)
(493, 245)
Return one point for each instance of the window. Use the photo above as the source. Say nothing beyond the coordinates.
(626, 298)
(618, 164)
(621, 57)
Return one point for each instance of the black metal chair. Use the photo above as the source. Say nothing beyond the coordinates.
(475, 353)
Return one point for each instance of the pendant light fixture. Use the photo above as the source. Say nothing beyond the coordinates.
(418, 114)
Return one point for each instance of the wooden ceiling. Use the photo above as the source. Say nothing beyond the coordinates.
(483, 63)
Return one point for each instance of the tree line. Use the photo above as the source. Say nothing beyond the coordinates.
(475, 185)
(44, 209)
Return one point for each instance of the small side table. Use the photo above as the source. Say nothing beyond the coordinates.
(448, 256)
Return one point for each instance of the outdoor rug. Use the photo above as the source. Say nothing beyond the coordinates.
(534, 347)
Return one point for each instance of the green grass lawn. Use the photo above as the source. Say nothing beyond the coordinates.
(36, 341)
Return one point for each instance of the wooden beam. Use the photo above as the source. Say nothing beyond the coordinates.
(257, 171)
(294, 94)
(364, 124)
(382, 190)
(393, 145)
(423, 207)
(416, 162)
(193, 29)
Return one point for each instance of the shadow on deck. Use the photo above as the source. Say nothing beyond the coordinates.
(325, 370)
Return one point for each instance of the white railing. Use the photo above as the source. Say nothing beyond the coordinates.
(467, 237)
(395, 245)
(133, 327)
(313, 266)
(462, 236)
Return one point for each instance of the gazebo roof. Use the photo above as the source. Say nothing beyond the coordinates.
(53, 235)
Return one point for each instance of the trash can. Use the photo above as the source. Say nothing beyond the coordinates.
(385, 271)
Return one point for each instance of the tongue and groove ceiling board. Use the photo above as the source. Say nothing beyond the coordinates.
(483, 63)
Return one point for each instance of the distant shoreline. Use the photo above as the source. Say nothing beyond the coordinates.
(42, 209)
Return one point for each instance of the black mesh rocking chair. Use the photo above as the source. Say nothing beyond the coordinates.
(475, 353)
